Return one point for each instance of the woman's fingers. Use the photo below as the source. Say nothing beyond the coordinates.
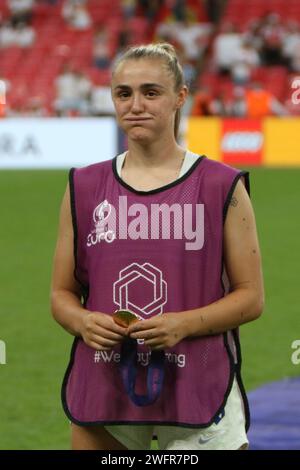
(100, 331)
(147, 334)
(157, 347)
(107, 333)
(154, 342)
(97, 346)
(107, 322)
(102, 341)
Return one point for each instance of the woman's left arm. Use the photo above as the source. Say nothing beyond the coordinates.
(243, 304)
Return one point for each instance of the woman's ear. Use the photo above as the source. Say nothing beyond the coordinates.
(182, 95)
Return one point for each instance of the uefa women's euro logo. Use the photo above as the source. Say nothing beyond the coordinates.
(101, 232)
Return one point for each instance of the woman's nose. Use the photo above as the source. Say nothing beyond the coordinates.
(137, 103)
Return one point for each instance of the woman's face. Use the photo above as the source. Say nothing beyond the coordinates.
(145, 100)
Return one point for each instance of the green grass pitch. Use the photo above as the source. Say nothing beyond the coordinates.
(31, 416)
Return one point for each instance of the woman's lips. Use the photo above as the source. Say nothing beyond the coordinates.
(137, 119)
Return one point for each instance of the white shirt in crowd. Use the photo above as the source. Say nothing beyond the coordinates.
(17, 6)
(225, 47)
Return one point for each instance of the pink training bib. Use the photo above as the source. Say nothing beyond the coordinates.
(152, 252)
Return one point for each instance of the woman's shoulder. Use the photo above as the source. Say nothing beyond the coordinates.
(218, 167)
(217, 174)
(93, 169)
(95, 166)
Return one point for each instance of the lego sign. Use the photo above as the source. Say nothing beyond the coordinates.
(242, 142)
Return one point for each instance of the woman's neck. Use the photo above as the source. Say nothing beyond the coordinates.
(153, 156)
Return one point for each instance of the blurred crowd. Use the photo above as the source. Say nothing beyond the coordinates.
(267, 41)
(208, 46)
(16, 29)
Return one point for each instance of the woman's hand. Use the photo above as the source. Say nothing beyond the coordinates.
(99, 331)
(163, 331)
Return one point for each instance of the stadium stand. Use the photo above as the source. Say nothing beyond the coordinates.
(263, 39)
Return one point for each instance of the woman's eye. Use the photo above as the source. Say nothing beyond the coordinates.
(122, 94)
(151, 93)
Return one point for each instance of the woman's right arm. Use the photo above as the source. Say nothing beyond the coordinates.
(97, 329)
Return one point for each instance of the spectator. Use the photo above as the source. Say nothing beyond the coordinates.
(202, 101)
(150, 8)
(187, 108)
(166, 32)
(73, 90)
(101, 53)
(244, 61)
(219, 105)
(179, 10)
(24, 35)
(238, 107)
(7, 34)
(189, 71)
(193, 37)
(21, 11)
(273, 33)
(291, 46)
(225, 46)
(76, 14)
(253, 34)
(101, 101)
(214, 9)
(128, 8)
(295, 61)
(189, 37)
(84, 88)
(66, 93)
(260, 103)
(21, 35)
(124, 39)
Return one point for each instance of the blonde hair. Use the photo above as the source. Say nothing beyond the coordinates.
(165, 52)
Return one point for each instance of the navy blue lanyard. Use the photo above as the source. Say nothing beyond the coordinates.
(155, 373)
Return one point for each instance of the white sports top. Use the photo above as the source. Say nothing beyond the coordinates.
(189, 160)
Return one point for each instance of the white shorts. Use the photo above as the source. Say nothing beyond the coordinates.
(228, 434)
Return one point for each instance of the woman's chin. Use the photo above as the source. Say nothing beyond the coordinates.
(139, 135)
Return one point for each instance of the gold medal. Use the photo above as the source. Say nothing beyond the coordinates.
(124, 318)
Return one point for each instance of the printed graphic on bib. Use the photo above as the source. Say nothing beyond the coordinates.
(134, 280)
(137, 278)
(143, 358)
(101, 232)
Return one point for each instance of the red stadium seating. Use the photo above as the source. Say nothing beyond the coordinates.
(56, 43)
(37, 67)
